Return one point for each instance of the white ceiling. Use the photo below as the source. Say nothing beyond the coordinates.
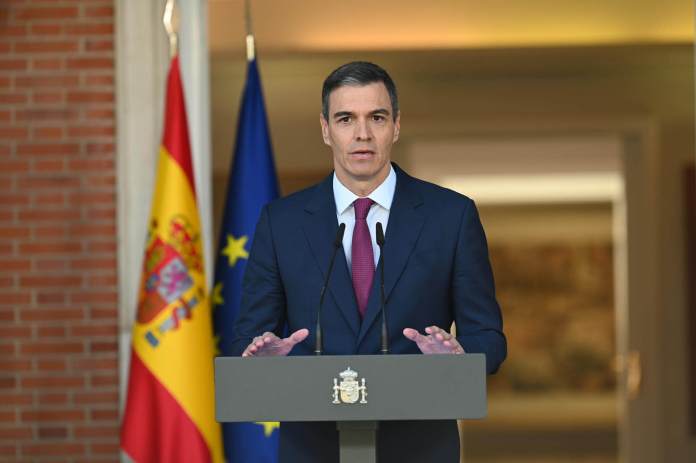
(283, 26)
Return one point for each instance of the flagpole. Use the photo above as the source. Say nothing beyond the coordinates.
(171, 25)
(250, 45)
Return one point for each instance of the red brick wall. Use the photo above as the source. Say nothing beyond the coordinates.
(58, 288)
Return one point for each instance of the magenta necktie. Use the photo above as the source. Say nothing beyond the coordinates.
(362, 259)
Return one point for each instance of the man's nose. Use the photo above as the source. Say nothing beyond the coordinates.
(362, 130)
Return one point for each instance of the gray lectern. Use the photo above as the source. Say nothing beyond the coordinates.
(356, 391)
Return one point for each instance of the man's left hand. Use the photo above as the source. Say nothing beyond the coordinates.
(436, 341)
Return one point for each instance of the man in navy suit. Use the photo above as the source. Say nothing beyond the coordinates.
(436, 268)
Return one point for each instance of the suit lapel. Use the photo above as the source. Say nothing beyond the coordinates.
(320, 226)
(406, 219)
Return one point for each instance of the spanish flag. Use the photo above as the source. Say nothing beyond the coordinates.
(169, 415)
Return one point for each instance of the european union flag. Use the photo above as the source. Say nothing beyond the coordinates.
(252, 184)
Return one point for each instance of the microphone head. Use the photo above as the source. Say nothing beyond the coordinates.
(380, 234)
(339, 235)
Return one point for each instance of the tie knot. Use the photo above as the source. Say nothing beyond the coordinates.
(362, 207)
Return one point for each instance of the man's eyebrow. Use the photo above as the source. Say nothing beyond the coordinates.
(339, 114)
(342, 114)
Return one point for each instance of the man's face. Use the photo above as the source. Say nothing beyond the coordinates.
(360, 131)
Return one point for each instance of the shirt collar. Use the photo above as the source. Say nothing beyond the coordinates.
(382, 195)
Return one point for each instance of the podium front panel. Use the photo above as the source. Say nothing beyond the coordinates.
(397, 387)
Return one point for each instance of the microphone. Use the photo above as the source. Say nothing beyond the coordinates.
(338, 242)
(380, 243)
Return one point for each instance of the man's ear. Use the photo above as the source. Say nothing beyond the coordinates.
(324, 129)
(397, 127)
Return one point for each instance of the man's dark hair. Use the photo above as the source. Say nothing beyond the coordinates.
(358, 73)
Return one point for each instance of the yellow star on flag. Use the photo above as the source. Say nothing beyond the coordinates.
(235, 249)
(268, 427)
(216, 297)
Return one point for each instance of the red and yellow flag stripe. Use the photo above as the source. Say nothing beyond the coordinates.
(170, 407)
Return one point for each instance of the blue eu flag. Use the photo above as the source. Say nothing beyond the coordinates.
(252, 184)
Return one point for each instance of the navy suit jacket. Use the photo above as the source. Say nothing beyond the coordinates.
(436, 271)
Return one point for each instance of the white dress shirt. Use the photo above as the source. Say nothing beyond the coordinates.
(382, 196)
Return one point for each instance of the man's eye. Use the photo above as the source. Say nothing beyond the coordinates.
(344, 120)
(377, 118)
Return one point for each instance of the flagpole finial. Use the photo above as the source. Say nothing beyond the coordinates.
(171, 25)
(250, 44)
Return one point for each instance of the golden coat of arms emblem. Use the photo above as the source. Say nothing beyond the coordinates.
(349, 390)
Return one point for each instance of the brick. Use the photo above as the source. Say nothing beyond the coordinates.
(101, 313)
(104, 380)
(53, 398)
(14, 265)
(50, 382)
(44, 281)
(53, 432)
(15, 297)
(91, 164)
(48, 97)
(105, 448)
(91, 131)
(108, 214)
(94, 297)
(60, 247)
(14, 332)
(47, 64)
(51, 265)
(13, 64)
(9, 450)
(13, 98)
(51, 332)
(100, 180)
(107, 80)
(7, 416)
(51, 449)
(49, 214)
(89, 29)
(49, 199)
(99, 12)
(8, 382)
(52, 347)
(14, 432)
(38, 114)
(16, 398)
(13, 30)
(7, 232)
(90, 97)
(100, 148)
(97, 430)
(110, 397)
(46, 13)
(79, 231)
(13, 166)
(104, 364)
(89, 63)
(46, 47)
(93, 197)
(51, 133)
(6, 349)
(102, 346)
(60, 81)
(49, 166)
(46, 29)
(93, 264)
(14, 133)
(99, 45)
(52, 364)
(102, 280)
(47, 297)
(54, 182)
(51, 314)
(102, 415)
(48, 149)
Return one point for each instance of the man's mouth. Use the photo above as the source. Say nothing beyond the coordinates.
(362, 152)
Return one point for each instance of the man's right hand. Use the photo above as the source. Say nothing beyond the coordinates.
(268, 344)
